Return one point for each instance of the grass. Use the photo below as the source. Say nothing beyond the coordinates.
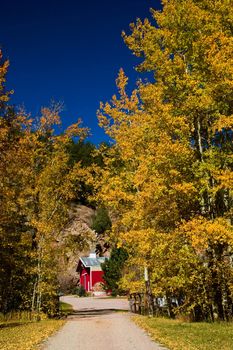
(18, 332)
(23, 335)
(65, 308)
(178, 335)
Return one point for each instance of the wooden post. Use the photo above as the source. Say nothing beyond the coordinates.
(148, 296)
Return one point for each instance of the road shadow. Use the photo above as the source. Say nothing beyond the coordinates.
(87, 313)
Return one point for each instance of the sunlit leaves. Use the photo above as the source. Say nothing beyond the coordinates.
(168, 176)
(37, 183)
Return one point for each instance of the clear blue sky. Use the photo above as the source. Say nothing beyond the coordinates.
(70, 51)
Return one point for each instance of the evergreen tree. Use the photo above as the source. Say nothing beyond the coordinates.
(113, 270)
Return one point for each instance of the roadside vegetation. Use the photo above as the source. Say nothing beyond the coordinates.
(42, 174)
(26, 335)
(113, 271)
(179, 335)
(19, 330)
(168, 178)
(65, 309)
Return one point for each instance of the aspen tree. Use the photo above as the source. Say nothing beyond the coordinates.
(168, 175)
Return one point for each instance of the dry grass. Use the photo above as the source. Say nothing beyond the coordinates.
(178, 335)
(26, 335)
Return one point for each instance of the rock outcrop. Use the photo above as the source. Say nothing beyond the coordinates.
(77, 239)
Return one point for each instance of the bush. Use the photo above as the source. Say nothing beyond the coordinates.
(80, 291)
(101, 222)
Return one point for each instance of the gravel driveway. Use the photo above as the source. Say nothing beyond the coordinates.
(95, 325)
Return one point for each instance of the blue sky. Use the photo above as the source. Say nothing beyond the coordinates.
(69, 51)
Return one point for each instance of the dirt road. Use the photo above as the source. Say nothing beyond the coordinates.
(97, 324)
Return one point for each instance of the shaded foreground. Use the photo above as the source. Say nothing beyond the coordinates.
(178, 335)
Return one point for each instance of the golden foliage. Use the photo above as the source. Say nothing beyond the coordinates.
(167, 179)
(37, 182)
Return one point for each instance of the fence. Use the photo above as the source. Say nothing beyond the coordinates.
(146, 304)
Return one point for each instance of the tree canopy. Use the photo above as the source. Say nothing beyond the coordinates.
(163, 188)
(168, 177)
(38, 181)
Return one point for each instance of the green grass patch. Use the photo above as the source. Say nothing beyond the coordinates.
(26, 335)
(65, 308)
(178, 335)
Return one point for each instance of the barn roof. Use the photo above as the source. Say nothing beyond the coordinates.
(92, 261)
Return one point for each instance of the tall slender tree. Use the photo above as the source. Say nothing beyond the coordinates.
(37, 183)
(171, 165)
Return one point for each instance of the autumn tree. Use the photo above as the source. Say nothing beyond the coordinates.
(169, 174)
(38, 181)
(13, 248)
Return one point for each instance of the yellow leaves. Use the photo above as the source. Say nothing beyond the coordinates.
(75, 130)
(223, 122)
(28, 335)
(139, 241)
(168, 164)
(133, 281)
(37, 182)
(117, 115)
(186, 188)
(202, 232)
(121, 83)
(220, 55)
(226, 178)
(4, 96)
(49, 118)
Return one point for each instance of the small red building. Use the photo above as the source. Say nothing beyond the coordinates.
(90, 271)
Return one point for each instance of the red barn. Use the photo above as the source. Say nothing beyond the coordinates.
(90, 271)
